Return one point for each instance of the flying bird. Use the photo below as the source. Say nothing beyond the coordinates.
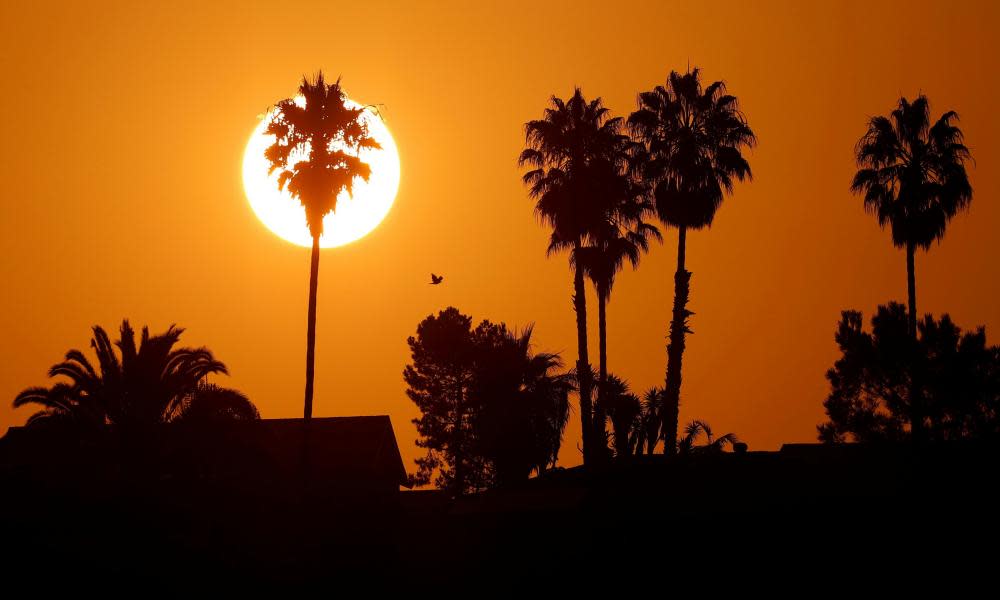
(436, 279)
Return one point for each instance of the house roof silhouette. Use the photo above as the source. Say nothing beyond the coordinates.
(349, 447)
(330, 451)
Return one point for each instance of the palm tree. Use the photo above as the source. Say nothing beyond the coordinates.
(622, 236)
(625, 410)
(568, 153)
(712, 445)
(693, 140)
(315, 151)
(913, 178)
(211, 403)
(139, 386)
(523, 403)
(646, 426)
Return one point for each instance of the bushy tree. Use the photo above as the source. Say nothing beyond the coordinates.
(492, 411)
(954, 375)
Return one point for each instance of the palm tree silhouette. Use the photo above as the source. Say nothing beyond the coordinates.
(141, 385)
(569, 151)
(693, 142)
(623, 236)
(315, 152)
(211, 403)
(646, 432)
(913, 178)
(625, 410)
(713, 445)
(524, 402)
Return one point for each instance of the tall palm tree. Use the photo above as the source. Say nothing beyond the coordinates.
(913, 178)
(139, 386)
(317, 140)
(693, 140)
(568, 153)
(623, 236)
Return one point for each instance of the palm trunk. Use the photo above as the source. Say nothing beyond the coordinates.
(675, 347)
(600, 408)
(311, 331)
(583, 362)
(916, 397)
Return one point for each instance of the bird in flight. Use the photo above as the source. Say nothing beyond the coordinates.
(436, 279)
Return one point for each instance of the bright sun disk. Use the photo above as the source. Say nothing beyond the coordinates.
(354, 216)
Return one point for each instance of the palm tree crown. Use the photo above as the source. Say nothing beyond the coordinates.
(693, 143)
(142, 384)
(713, 445)
(912, 173)
(315, 151)
(622, 237)
(575, 155)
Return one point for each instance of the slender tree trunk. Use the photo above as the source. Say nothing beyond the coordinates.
(583, 363)
(675, 347)
(917, 430)
(600, 408)
(311, 331)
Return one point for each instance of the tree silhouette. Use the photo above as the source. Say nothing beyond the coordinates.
(625, 411)
(646, 426)
(210, 403)
(713, 445)
(913, 178)
(492, 411)
(571, 151)
(139, 386)
(693, 142)
(873, 384)
(315, 151)
(622, 236)
(438, 382)
(522, 403)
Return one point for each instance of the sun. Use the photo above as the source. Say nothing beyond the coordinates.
(354, 217)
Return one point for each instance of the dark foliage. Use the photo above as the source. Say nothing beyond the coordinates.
(625, 411)
(955, 374)
(912, 173)
(315, 151)
(492, 411)
(143, 384)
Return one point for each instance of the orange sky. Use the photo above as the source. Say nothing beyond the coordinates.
(124, 129)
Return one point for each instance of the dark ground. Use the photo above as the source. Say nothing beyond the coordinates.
(811, 519)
